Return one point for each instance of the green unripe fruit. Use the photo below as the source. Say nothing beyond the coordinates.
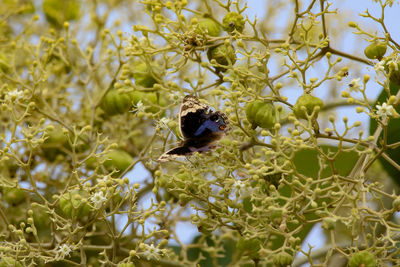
(117, 159)
(143, 75)
(115, 103)
(233, 21)
(375, 50)
(23, 7)
(57, 12)
(55, 144)
(223, 55)
(126, 264)
(4, 63)
(74, 204)
(309, 102)
(362, 259)
(55, 136)
(283, 259)
(209, 27)
(261, 114)
(40, 217)
(205, 227)
(249, 246)
(13, 196)
(91, 163)
(137, 96)
(396, 204)
(8, 261)
(152, 98)
(184, 199)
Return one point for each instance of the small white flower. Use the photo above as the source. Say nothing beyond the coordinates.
(98, 199)
(380, 66)
(14, 95)
(384, 110)
(242, 190)
(104, 179)
(63, 251)
(175, 96)
(355, 85)
(151, 252)
(394, 62)
(140, 107)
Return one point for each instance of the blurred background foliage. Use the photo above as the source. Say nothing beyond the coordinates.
(90, 92)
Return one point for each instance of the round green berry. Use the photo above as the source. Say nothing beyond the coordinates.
(283, 259)
(224, 55)
(144, 75)
(233, 21)
(115, 103)
(74, 203)
(209, 27)
(362, 259)
(375, 50)
(57, 12)
(306, 104)
(117, 160)
(13, 196)
(261, 114)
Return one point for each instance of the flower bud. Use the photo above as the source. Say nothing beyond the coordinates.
(345, 94)
(360, 109)
(352, 24)
(392, 100)
(366, 78)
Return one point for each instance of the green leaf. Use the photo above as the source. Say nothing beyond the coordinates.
(225, 256)
(393, 136)
(307, 163)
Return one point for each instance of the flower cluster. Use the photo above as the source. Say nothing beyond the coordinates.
(14, 96)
